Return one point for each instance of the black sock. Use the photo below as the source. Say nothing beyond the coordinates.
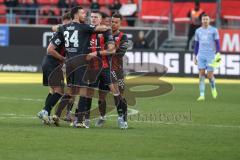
(118, 104)
(63, 103)
(70, 105)
(52, 101)
(102, 107)
(88, 108)
(124, 107)
(81, 109)
(48, 97)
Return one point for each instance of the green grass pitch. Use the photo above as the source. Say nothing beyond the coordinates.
(211, 132)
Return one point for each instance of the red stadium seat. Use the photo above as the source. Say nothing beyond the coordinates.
(46, 2)
(125, 1)
(159, 10)
(230, 9)
(1, 1)
(102, 2)
(48, 8)
(3, 20)
(105, 10)
(3, 10)
(83, 2)
(155, 10)
(3, 14)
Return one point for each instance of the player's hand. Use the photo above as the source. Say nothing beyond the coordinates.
(218, 57)
(62, 60)
(91, 55)
(195, 60)
(217, 60)
(102, 28)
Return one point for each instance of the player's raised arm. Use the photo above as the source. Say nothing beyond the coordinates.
(102, 28)
(111, 49)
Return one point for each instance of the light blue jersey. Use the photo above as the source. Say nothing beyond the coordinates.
(206, 38)
(207, 46)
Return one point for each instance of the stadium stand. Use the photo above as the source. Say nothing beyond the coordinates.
(230, 9)
(151, 10)
(2, 13)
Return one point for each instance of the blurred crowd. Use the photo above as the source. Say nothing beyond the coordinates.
(50, 11)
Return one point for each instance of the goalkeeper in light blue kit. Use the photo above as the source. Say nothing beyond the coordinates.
(207, 55)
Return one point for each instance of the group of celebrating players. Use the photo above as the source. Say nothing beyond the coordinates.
(93, 58)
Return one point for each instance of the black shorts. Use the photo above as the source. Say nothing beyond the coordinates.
(52, 72)
(104, 79)
(76, 77)
(77, 71)
(118, 77)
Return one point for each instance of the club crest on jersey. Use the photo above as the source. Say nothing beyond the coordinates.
(93, 42)
(58, 41)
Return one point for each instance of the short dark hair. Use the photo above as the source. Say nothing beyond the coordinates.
(97, 12)
(197, 3)
(66, 16)
(74, 11)
(105, 15)
(205, 15)
(117, 15)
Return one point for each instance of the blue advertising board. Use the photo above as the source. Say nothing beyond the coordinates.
(4, 36)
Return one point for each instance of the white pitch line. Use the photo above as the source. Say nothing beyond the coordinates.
(189, 124)
(22, 116)
(131, 112)
(22, 99)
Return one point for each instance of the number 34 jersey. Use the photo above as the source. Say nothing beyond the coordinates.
(75, 37)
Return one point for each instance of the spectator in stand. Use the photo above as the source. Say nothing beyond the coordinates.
(22, 12)
(31, 12)
(141, 42)
(72, 3)
(115, 6)
(52, 19)
(62, 4)
(94, 5)
(195, 16)
(11, 12)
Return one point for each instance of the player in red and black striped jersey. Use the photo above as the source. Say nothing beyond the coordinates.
(121, 43)
(102, 46)
(52, 73)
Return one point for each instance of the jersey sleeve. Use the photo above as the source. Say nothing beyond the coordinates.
(123, 45)
(88, 28)
(56, 39)
(216, 34)
(196, 36)
(108, 36)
